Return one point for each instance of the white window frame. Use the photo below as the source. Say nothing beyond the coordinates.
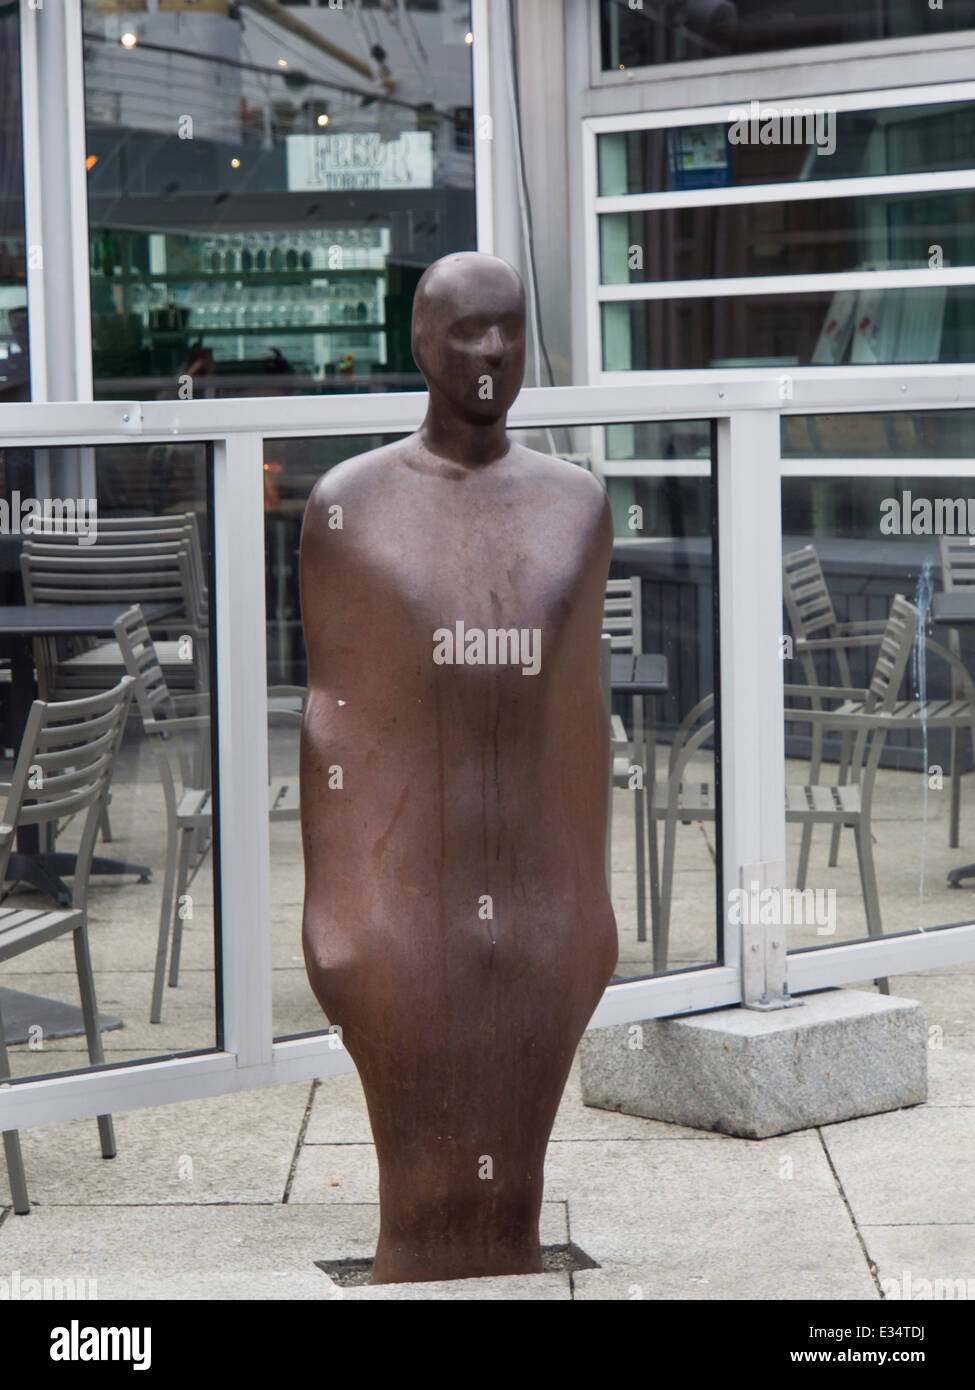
(597, 294)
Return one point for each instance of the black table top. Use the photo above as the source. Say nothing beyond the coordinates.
(639, 675)
(71, 619)
(957, 606)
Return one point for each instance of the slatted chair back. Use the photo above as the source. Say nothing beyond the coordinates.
(894, 653)
(807, 599)
(64, 767)
(141, 662)
(111, 530)
(145, 572)
(810, 608)
(957, 562)
(182, 762)
(622, 616)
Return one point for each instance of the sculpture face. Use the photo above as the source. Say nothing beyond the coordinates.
(469, 335)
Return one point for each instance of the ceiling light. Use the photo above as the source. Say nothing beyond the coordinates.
(128, 39)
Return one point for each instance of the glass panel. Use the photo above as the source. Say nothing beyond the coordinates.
(263, 202)
(14, 366)
(851, 546)
(893, 434)
(859, 326)
(807, 237)
(121, 525)
(660, 483)
(638, 35)
(842, 145)
(664, 546)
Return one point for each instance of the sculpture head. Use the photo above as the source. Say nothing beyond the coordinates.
(469, 335)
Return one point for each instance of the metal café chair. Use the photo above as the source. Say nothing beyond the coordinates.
(142, 560)
(623, 632)
(867, 720)
(816, 629)
(64, 767)
(179, 729)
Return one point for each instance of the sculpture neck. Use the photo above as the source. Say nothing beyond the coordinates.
(449, 436)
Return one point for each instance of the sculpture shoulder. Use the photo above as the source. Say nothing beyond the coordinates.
(354, 480)
(557, 478)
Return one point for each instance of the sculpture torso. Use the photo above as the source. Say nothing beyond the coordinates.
(458, 781)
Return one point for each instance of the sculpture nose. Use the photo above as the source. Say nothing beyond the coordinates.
(493, 344)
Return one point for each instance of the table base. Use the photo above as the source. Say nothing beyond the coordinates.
(46, 870)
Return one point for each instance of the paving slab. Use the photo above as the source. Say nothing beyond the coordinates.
(724, 1274)
(908, 1167)
(951, 1071)
(232, 1148)
(198, 1252)
(906, 1256)
(339, 1114)
(509, 1288)
(749, 1216)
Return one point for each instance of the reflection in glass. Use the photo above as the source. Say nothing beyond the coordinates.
(641, 35)
(845, 565)
(868, 144)
(823, 329)
(805, 237)
(138, 535)
(280, 212)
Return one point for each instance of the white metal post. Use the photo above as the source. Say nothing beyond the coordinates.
(241, 680)
(483, 133)
(56, 209)
(751, 681)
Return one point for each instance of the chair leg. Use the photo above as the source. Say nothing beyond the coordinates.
(804, 848)
(844, 773)
(165, 921)
(661, 944)
(641, 873)
(805, 845)
(654, 870)
(182, 878)
(11, 1147)
(89, 1009)
(868, 881)
(15, 1172)
(955, 789)
(105, 825)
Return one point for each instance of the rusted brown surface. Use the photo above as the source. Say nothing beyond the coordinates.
(457, 925)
